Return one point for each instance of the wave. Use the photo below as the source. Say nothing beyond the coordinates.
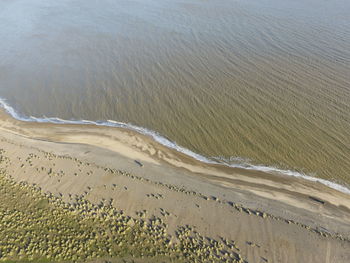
(173, 145)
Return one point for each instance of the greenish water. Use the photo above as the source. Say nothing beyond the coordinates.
(259, 81)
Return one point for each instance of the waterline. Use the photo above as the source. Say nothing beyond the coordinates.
(170, 144)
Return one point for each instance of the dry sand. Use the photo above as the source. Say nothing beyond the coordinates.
(271, 218)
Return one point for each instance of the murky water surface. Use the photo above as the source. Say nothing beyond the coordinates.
(259, 81)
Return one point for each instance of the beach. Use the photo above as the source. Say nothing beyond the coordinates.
(270, 217)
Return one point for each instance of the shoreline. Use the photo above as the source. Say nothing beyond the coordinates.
(173, 146)
(275, 217)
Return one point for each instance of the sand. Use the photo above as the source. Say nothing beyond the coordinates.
(271, 218)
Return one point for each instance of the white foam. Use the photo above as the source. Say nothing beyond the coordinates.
(166, 142)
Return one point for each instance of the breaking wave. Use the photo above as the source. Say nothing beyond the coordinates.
(170, 144)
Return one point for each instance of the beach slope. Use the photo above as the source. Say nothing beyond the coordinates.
(237, 214)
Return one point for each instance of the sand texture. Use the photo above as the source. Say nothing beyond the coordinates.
(253, 216)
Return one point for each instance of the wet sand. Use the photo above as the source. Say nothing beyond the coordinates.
(270, 217)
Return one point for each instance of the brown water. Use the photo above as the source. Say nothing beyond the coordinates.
(259, 81)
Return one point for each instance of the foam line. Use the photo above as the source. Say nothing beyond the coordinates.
(170, 144)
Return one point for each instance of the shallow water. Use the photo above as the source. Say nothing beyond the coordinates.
(259, 81)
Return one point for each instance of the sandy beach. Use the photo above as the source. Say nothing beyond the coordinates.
(270, 217)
